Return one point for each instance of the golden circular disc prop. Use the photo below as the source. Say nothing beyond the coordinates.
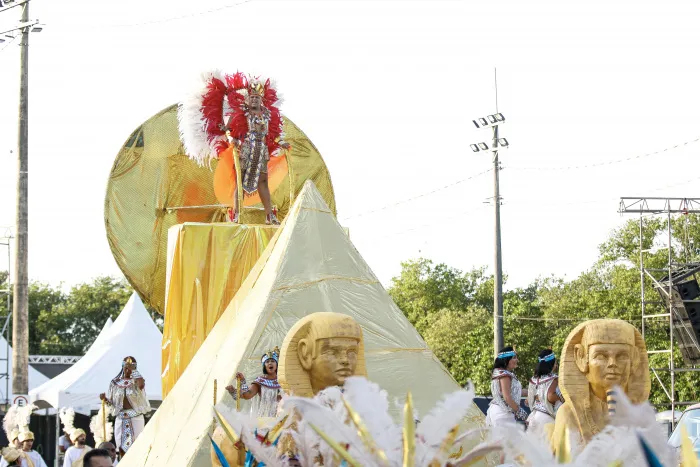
(152, 184)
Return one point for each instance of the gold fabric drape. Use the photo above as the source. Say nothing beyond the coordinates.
(206, 265)
(152, 180)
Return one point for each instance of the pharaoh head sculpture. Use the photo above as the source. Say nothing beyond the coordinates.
(598, 356)
(321, 350)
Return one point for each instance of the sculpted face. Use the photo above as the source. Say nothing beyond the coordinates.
(609, 365)
(335, 360)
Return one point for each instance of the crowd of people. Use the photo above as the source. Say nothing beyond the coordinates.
(128, 402)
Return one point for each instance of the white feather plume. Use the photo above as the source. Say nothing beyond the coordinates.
(328, 421)
(372, 404)
(67, 416)
(618, 441)
(24, 414)
(9, 422)
(192, 125)
(447, 414)
(101, 431)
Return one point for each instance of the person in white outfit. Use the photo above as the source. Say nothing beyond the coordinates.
(33, 458)
(265, 386)
(74, 454)
(129, 402)
(506, 390)
(544, 395)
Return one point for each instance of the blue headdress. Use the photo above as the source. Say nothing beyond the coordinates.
(547, 358)
(509, 354)
(272, 354)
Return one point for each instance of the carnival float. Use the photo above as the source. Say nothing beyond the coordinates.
(221, 214)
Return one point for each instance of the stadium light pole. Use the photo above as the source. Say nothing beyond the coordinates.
(492, 121)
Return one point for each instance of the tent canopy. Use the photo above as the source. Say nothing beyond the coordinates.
(132, 334)
(310, 265)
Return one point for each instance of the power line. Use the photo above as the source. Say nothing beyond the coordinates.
(408, 200)
(190, 15)
(606, 163)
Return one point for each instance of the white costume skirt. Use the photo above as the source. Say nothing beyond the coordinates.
(127, 429)
(497, 415)
(537, 421)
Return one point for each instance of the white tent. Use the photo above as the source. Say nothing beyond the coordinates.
(133, 334)
(35, 377)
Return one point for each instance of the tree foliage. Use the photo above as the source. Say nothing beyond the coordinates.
(63, 323)
(453, 309)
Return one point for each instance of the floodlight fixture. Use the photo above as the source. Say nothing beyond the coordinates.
(474, 147)
(476, 124)
(483, 121)
(492, 118)
(503, 142)
(38, 28)
(483, 146)
(500, 117)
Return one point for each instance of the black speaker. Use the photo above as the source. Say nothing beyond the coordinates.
(688, 290)
(693, 310)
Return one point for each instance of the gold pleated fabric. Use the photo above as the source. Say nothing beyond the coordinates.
(206, 265)
(152, 180)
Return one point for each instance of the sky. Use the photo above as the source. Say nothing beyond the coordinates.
(594, 93)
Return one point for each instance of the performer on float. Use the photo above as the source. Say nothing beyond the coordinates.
(265, 386)
(544, 396)
(74, 454)
(236, 116)
(127, 397)
(506, 390)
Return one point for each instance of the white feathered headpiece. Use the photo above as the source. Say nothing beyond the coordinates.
(67, 416)
(100, 427)
(10, 421)
(24, 414)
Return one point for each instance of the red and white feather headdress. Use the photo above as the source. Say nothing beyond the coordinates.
(218, 106)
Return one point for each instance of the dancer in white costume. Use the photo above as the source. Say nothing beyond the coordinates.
(544, 395)
(33, 458)
(506, 390)
(74, 454)
(127, 397)
(265, 386)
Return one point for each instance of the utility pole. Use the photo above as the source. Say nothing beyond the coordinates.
(20, 311)
(498, 277)
(493, 121)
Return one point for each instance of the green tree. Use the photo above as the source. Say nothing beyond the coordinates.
(453, 311)
(72, 327)
(423, 289)
(43, 300)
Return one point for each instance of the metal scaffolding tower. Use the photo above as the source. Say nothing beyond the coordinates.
(680, 329)
(5, 362)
